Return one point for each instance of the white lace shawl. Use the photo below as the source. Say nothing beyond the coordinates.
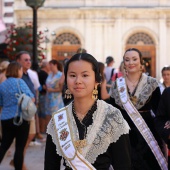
(108, 125)
(144, 91)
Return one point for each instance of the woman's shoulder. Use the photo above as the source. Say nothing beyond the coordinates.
(152, 80)
(20, 80)
(112, 119)
(9, 80)
(111, 111)
(59, 73)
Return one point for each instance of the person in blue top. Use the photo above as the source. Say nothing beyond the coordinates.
(54, 86)
(8, 102)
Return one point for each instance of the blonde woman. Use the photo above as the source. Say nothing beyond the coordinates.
(3, 67)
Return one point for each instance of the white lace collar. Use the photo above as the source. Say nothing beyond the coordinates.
(108, 125)
(144, 90)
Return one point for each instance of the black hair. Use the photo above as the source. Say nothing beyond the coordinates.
(101, 69)
(81, 50)
(165, 68)
(85, 57)
(134, 49)
(19, 54)
(55, 62)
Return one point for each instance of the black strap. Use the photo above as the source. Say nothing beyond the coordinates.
(116, 76)
(112, 73)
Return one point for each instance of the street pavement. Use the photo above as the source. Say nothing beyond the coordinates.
(34, 158)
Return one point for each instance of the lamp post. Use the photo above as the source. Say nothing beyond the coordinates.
(34, 4)
(46, 40)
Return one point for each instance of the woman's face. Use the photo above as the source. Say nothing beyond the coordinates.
(81, 79)
(166, 76)
(20, 72)
(52, 67)
(132, 62)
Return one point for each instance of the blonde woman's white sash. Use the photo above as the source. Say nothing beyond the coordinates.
(140, 123)
(64, 138)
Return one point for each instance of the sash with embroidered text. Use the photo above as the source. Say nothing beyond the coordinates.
(67, 146)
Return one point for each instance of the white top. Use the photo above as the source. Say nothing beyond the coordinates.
(34, 78)
(162, 87)
(108, 71)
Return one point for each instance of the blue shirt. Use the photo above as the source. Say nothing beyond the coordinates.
(8, 100)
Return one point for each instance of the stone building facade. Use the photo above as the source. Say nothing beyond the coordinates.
(104, 28)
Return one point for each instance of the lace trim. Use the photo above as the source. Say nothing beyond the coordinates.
(108, 125)
(145, 89)
(51, 131)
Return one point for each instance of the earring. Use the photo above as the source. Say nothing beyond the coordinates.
(95, 93)
(68, 94)
(141, 68)
(126, 72)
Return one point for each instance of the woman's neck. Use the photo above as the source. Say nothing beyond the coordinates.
(134, 76)
(54, 72)
(82, 106)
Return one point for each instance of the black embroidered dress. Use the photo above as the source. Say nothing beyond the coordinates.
(110, 147)
(148, 96)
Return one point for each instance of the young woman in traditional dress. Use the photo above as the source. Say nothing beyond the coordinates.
(137, 96)
(87, 134)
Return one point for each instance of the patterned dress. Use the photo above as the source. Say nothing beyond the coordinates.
(54, 100)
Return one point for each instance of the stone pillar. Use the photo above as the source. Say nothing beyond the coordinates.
(161, 59)
(98, 43)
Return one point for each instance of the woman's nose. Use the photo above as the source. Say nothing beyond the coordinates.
(78, 80)
(130, 62)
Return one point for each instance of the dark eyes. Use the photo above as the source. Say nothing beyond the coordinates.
(84, 75)
(132, 59)
(72, 75)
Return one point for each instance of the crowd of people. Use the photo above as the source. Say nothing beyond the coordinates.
(94, 116)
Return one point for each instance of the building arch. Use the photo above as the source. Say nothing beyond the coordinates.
(144, 41)
(72, 30)
(65, 44)
(66, 38)
(134, 30)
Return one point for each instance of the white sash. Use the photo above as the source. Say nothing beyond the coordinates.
(140, 123)
(64, 138)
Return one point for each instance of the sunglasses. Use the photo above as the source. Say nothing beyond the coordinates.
(26, 60)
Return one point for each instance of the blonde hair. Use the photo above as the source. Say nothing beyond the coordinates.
(3, 66)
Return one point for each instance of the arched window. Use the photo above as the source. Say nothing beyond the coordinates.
(65, 46)
(140, 39)
(66, 39)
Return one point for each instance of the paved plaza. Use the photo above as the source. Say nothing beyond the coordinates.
(34, 158)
